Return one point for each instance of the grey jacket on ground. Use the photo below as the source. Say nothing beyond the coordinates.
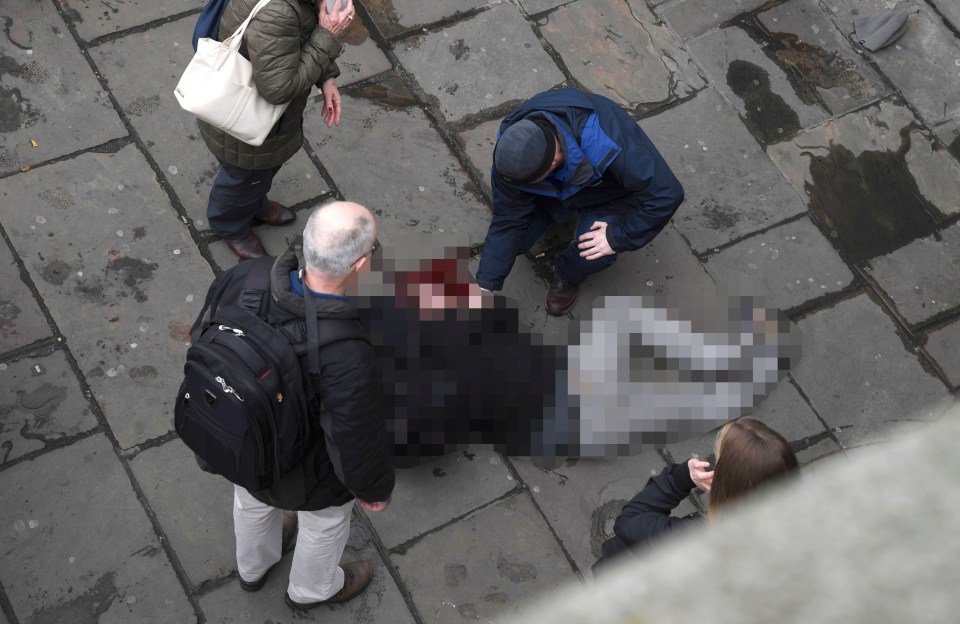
(290, 53)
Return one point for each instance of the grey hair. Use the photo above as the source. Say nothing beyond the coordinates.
(334, 251)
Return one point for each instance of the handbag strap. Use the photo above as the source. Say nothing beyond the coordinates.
(238, 34)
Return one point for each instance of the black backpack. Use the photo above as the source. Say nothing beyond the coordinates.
(243, 407)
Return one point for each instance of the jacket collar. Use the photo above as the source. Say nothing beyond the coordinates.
(287, 300)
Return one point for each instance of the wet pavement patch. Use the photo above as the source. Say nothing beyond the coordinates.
(767, 114)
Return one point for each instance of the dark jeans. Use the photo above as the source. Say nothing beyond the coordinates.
(571, 268)
(237, 196)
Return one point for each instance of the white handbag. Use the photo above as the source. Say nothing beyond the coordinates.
(218, 87)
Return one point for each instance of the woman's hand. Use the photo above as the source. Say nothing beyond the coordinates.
(331, 101)
(699, 475)
(338, 20)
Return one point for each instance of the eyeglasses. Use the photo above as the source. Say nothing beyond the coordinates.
(376, 247)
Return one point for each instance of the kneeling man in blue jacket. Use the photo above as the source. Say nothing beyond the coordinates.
(565, 152)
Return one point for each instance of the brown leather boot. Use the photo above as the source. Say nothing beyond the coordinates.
(356, 577)
(560, 297)
(276, 214)
(246, 248)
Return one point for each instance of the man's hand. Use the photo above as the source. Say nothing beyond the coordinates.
(338, 20)
(375, 506)
(594, 243)
(699, 475)
(331, 100)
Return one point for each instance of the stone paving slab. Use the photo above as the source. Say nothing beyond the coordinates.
(74, 552)
(361, 58)
(485, 566)
(533, 7)
(950, 10)
(401, 169)
(47, 92)
(859, 376)
(692, 18)
(637, 62)
(454, 65)
(439, 490)
(275, 240)
(921, 64)
(478, 143)
(40, 402)
(789, 265)
(380, 602)
(942, 347)
(21, 321)
(949, 133)
(902, 178)
(393, 17)
(194, 509)
(93, 18)
(731, 187)
(580, 498)
(123, 289)
(923, 278)
(169, 133)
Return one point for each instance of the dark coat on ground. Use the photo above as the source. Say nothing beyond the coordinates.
(609, 160)
(290, 53)
(350, 457)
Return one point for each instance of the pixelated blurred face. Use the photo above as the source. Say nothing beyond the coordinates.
(440, 284)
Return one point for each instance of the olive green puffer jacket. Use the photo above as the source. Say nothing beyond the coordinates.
(290, 53)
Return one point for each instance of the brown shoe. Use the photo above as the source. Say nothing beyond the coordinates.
(276, 214)
(560, 297)
(246, 248)
(356, 577)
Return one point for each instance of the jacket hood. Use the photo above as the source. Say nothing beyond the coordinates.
(287, 300)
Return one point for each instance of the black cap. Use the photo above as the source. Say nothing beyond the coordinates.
(525, 151)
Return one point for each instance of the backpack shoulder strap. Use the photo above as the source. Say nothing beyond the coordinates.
(256, 287)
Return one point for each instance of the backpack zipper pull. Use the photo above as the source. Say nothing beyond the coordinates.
(228, 389)
(236, 332)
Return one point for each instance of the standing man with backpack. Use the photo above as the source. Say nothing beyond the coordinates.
(292, 45)
(344, 455)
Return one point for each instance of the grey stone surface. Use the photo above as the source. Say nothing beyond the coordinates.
(478, 142)
(146, 95)
(731, 188)
(882, 153)
(124, 288)
(582, 498)
(380, 602)
(47, 92)
(393, 17)
(40, 402)
(950, 10)
(21, 321)
(74, 552)
(921, 64)
(480, 63)
(275, 240)
(401, 170)
(194, 509)
(788, 265)
(692, 18)
(923, 278)
(638, 63)
(859, 377)
(94, 19)
(942, 346)
(533, 7)
(361, 58)
(439, 490)
(785, 411)
(484, 567)
(949, 133)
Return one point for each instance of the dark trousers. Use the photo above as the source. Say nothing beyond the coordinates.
(571, 267)
(237, 196)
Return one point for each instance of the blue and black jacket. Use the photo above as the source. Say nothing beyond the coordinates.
(608, 160)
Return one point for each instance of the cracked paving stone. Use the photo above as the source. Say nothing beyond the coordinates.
(922, 278)
(95, 18)
(478, 142)
(634, 61)
(393, 17)
(124, 289)
(439, 490)
(40, 402)
(732, 189)
(692, 18)
(61, 565)
(949, 133)
(47, 92)
(942, 347)
(485, 61)
(21, 321)
(860, 377)
(484, 567)
(873, 178)
(534, 7)
(950, 10)
(787, 265)
(142, 70)
(922, 64)
(401, 170)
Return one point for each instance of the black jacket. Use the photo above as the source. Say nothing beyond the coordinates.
(351, 458)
